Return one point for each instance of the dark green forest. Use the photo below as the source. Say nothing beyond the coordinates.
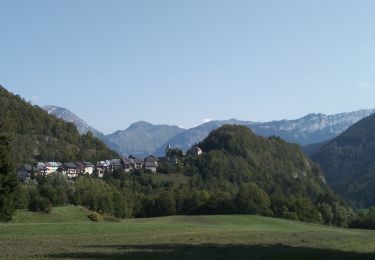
(36, 135)
(349, 165)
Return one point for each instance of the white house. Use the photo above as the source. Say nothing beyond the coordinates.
(102, 167)
(151, 163)
(89, 168)
(195, 150)
(51, 167)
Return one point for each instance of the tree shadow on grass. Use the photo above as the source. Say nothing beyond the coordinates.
(209, 251)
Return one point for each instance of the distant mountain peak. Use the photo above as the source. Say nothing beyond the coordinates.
(68, 116)
(139, 124)
(141, 138)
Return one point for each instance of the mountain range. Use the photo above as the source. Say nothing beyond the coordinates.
(142, 138)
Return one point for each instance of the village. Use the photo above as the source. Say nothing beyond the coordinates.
(75, 169)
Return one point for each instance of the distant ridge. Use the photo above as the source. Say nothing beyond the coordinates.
(310, 129)
(143, 138)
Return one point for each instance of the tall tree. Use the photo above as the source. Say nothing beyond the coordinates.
(8, 178)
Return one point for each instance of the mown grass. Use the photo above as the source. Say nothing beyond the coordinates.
(57, 215)
(185, 237)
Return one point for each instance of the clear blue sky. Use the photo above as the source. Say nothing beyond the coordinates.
(180, 62)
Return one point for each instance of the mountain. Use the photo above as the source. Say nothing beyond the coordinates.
(272, 175)
(36, 135)
(349, 163)
(141, 138)
(310, 129)
(68, 116)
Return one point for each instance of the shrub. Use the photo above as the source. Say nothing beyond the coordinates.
(95, 217)
(40, 204)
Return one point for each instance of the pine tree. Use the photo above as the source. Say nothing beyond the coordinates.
(8, 179)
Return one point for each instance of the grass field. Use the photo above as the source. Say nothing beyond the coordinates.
(67, 233)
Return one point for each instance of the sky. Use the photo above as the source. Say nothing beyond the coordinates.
(185, 62)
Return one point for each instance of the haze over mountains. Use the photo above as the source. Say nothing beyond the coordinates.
(143, 138)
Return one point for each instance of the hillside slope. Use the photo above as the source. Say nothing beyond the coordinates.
(276, 171)
(349, 162)
(37, 135)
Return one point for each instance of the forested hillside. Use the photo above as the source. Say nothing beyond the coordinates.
(349, 163)
(36, 135)
(286, 182)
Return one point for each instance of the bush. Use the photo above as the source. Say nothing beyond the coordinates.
(95, 217)
(40, 204)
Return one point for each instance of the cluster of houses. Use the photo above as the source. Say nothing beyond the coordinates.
(75, 169)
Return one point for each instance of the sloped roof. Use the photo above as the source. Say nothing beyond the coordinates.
(40, 166)
(52, 164)
(102, 164)
(138, 160)
(195, 149)
(151, 158)
(108, 162)
(69, 166)
(80, 165)
(116, 162)
(89, 164)
(126, 160)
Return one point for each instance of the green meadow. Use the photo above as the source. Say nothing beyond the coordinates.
(68, 233)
